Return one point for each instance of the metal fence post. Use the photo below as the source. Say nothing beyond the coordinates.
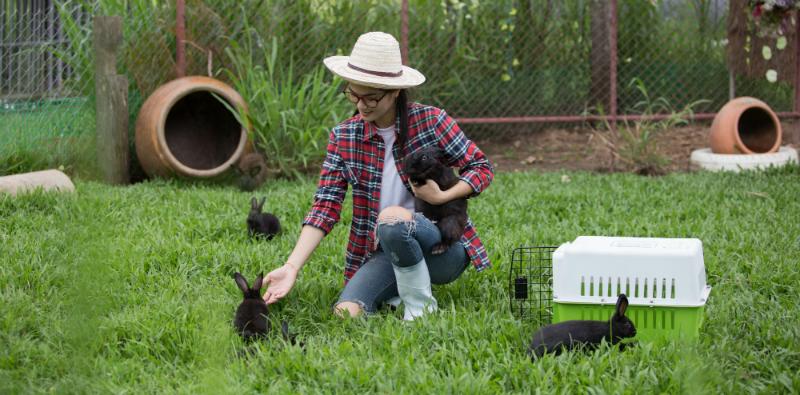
(612, 75)
(404, 32)
(180, 38)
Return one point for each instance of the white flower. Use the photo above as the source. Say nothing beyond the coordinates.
(772, 75)
(780, 43)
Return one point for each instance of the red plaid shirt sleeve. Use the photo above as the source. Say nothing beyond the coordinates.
(461, 152)
(331, 190)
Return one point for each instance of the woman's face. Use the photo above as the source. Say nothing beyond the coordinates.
(374, 105)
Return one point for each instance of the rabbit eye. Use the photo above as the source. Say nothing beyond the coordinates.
(424, 157)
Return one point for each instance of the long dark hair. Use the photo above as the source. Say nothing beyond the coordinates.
(402, 112)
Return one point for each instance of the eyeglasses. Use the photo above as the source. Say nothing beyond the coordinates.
(370, 101)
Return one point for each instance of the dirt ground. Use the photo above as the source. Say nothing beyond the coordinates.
(554, 149)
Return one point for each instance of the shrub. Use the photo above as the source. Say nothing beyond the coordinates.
(633, 143)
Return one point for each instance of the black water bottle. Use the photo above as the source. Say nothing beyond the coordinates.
(520, 288)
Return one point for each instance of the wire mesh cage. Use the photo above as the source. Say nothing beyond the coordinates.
(531, 283)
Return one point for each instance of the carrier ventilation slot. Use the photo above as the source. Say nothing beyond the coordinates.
(648, 288)
(653, 319)
(583, 286)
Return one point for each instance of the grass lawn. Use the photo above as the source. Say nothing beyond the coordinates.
(129, 290)
(46, 135)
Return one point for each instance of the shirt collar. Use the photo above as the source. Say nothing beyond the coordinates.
(370, 130)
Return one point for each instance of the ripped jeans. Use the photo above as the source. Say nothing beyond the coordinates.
(403, 243)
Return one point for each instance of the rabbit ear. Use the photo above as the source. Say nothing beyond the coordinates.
(259, 280)
(261, 205)
(622, 305)
(241, 282)
(254, 202)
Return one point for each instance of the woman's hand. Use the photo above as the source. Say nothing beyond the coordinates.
(430, 192)
(279, 282)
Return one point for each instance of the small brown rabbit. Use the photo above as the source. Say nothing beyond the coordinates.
(252, 171)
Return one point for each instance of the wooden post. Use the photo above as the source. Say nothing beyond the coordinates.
(111, 92)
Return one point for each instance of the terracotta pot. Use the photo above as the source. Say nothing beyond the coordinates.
(745, 125)
(183, 129)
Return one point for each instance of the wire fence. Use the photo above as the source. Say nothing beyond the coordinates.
(492, 64)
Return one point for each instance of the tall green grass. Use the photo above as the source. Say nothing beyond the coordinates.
(55, 134)
(129, 290)
(289, 117)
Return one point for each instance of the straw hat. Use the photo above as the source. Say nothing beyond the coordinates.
(375, 62)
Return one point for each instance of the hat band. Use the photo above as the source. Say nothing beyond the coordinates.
(377, 73)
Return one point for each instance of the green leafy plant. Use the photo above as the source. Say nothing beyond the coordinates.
(289, 116)
(633, 144)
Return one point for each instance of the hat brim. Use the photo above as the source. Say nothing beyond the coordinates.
(338, 65)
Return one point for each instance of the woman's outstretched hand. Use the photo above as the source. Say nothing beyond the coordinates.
(429, 192)
(279, 282)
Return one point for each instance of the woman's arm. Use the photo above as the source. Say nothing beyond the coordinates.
(323, 215)
(459, 151)
(281, 280)
(431, 193)
(310, 237)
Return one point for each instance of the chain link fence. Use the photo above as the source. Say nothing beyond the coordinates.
(497, 66)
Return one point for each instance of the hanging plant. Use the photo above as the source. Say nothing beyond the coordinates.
(772, 19)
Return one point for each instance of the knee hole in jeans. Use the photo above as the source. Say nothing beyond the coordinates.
(352, 309)
(394, 214)
(395, 222)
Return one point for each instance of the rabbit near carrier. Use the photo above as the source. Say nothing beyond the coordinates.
(451, 217)
(568, 335)
(260, 224)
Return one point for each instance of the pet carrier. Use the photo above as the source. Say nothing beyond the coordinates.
(664, 280)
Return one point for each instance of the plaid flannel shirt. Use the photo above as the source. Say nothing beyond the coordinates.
(355, 156)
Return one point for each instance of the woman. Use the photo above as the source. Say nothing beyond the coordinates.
(389, 250)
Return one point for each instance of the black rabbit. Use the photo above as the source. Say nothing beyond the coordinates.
(251, 315)
(451, 217)
(262, 224)
(571, 334)
(250, 320)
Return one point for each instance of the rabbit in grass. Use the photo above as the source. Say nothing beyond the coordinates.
(250, 319)
(582, 333)
(260, 224)
(251, 171)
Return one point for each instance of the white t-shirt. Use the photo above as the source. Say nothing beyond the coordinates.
(393, 192)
